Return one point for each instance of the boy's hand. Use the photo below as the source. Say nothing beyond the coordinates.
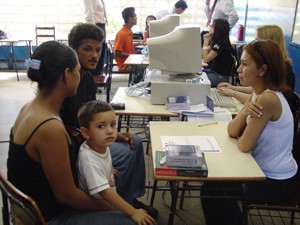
(141, 217)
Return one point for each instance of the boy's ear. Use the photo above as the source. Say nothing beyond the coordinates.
(85, 133)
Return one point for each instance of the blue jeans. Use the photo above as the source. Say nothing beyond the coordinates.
(76, 217)
(131, 166)
(215, 78)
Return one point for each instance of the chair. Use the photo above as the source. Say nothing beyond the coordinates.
(24, 210)
(292, 205)
(44, 33)
(234, 73)
(75, 136)
(104, 79)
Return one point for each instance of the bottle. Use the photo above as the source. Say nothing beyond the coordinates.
(240, 33)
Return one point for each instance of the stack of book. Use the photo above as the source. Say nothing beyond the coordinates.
(162, 169)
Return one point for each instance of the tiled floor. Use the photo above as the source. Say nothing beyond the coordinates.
(13, 94)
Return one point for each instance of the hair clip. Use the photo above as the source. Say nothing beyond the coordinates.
(33, 64)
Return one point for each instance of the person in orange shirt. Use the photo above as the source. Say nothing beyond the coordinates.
(124, 39)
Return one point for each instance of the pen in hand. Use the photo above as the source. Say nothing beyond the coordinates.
(206, 124)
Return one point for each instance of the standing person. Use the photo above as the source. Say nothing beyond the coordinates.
(217, 52)
(179, 7)
(95, 13)
(95, 172)
(221, 9)
(127, 152)
(266, 32)
(41, 159)
(265, 128)
(124, 38)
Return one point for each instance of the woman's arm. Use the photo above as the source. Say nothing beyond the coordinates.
(207, 53)
(52, 148)
(266, 108)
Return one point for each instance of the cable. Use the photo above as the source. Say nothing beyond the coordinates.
(139, 89)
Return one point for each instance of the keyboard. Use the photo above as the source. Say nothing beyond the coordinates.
(221, 100)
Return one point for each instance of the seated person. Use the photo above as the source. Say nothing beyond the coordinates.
(94, 164)
(267, 32)
(123, 45)
(147, 32)
(217, 52)
(264, 127)
(127, 153)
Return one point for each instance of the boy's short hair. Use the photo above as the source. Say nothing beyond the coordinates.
(127, 12)
(89, 109)
(181, 4)
(83, 31)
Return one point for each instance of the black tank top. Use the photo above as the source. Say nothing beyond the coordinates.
(28, 176)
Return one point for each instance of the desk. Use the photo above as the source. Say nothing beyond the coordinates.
(12, 57)
(135, 60)
(139, 106)
(228, 165)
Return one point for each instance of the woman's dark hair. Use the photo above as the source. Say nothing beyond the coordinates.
(87, 111)
(55, 57)
(127, 12)
(146, 24)
(221, 30)
(268, 52)
(83, 31)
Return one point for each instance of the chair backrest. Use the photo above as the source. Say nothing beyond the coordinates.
(75, 136)
(44, 33)
(24, 209)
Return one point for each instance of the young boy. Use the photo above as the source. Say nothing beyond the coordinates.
(95, 172)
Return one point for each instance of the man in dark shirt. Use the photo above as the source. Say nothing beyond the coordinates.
(127, 152)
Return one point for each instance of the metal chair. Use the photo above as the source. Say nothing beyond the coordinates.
(104, 79)
(23, 209)
(44, 33)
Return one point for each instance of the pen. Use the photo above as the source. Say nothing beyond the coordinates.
(206, 124)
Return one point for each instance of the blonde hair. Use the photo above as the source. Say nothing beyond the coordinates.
(274, 33)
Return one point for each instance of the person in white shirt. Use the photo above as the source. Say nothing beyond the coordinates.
(224, 9)
(178, 8)
(95, 13)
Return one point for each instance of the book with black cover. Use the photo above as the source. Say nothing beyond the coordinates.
(164, 170)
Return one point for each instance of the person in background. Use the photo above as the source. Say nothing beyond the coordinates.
(124, 38)
(179, 7)
(147, 32)
(41, 159)
(97, 121)
(267, 32)
(95, 13)
(217, 52)
(264, 127)
(127, 152)
(221, 9)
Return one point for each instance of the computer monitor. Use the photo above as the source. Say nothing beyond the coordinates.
(163, 26)
(178, 52)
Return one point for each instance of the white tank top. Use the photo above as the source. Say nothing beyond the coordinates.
(273, 150)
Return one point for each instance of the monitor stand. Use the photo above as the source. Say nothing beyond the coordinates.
(163, 86)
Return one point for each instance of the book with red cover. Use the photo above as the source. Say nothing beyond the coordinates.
(164, 170)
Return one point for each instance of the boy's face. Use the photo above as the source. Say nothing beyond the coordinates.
(89, 53)
(102, 131)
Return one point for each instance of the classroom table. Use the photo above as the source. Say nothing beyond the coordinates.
(135, 60)
(228, 165)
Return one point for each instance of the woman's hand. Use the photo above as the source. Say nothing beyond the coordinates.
(252, 109)
(141, 217)
(126, 137)
(226, 91)
(225, 85)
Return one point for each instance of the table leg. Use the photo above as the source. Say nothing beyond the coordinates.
(119, 123)
(153, 193)
(13, 57)
(244, 204)
(174, 185)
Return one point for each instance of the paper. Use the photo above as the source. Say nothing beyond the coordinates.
(206, 143)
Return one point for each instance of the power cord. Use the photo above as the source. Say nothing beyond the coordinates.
(139, 89)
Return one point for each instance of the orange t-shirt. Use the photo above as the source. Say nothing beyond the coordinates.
(123, 43)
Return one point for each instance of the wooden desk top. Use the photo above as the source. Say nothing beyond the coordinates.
(139, 106)
(136, 59)
(228, 165)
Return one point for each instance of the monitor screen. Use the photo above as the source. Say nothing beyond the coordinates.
(178, 52)
(164, 25)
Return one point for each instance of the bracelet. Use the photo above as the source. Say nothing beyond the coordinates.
(234, 93)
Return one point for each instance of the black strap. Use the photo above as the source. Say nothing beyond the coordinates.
(38, 128)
